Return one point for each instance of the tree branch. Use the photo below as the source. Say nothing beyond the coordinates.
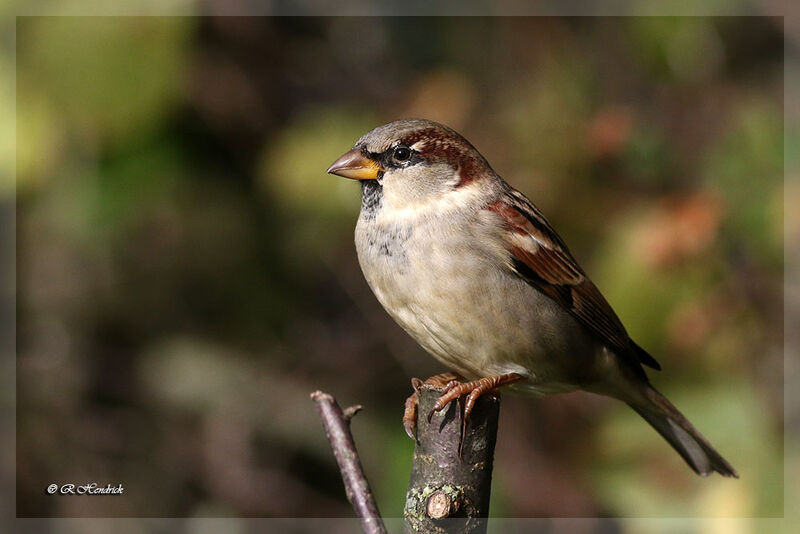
(337, 428)
(448, 492)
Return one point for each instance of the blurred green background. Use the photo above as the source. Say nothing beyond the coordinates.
(186, 272)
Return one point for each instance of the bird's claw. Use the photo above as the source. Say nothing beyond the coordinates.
(443, 399)
(452, 388)
(412, 402)
(473, 390)
(410, 412)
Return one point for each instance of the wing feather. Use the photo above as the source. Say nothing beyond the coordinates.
(540, 257)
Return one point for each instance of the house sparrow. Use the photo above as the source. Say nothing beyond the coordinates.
(472, 270)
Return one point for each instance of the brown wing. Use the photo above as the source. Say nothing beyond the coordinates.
(540, 257)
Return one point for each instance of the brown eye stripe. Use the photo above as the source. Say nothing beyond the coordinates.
(442, 145)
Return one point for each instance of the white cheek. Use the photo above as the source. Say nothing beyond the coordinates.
(418, 185)
(455, 180)
(403, 206)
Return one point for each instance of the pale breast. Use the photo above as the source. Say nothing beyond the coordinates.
(455, 298)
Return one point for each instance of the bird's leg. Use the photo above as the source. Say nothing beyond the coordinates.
(473, 389)
(443, 380)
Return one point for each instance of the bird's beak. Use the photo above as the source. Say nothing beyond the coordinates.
(355, 165)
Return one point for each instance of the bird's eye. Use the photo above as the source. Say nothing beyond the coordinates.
(401, 153)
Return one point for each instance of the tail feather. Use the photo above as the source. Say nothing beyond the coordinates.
(693, 447)
(645, 357)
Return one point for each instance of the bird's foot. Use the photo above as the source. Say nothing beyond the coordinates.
(473, 389)
(410, 414)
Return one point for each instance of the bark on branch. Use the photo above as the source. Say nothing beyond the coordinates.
(337, 428)
(448, 493)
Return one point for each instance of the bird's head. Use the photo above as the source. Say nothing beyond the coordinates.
(414, 160)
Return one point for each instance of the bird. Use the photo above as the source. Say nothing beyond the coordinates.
(471, 269)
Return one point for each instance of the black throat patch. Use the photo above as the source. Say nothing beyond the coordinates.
(371, 198)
